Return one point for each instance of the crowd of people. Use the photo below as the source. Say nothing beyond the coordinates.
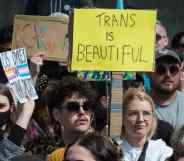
(69, 121)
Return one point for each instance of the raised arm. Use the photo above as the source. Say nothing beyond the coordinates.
(35, 63)
(25, 114)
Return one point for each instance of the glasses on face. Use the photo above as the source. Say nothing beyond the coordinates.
(159, 37)
(74, 106)
(161, 69)
(134, 115)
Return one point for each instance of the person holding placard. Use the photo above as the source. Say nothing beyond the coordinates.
(10, 146)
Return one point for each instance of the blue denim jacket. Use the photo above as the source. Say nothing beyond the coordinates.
(9, 150)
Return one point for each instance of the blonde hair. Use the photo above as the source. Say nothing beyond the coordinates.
(132, 94)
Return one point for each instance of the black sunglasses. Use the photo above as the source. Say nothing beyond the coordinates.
(161, 69)
(74, 106)
(159, 37)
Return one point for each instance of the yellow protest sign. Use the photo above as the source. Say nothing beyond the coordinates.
(113, 40)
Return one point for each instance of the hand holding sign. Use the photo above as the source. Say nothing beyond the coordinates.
(37, 58)
(35, 62)
(25, 114)
(17, 71)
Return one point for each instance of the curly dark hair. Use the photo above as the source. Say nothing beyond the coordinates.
(57, 90)
(101, 147)
(70, 85)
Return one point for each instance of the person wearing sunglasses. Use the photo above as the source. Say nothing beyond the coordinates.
(12, 127)
(165, 82)
(76, 105)
(162, 39)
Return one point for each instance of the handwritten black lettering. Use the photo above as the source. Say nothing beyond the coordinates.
(100, 18)
(114, 20)
(80, 52)
(119, 20)
(117, 56)
(126, 50)
(88, 53)
(141, 55)
(109, 36)
(131, 53)
(111, 51)
(132, 19)
(135, 56)
(107, 19)
(95, 52)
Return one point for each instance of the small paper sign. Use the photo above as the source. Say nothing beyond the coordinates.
(16, 68)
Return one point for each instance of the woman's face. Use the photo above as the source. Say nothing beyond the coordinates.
(79, 153)
(4, 103)
(138, 119)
